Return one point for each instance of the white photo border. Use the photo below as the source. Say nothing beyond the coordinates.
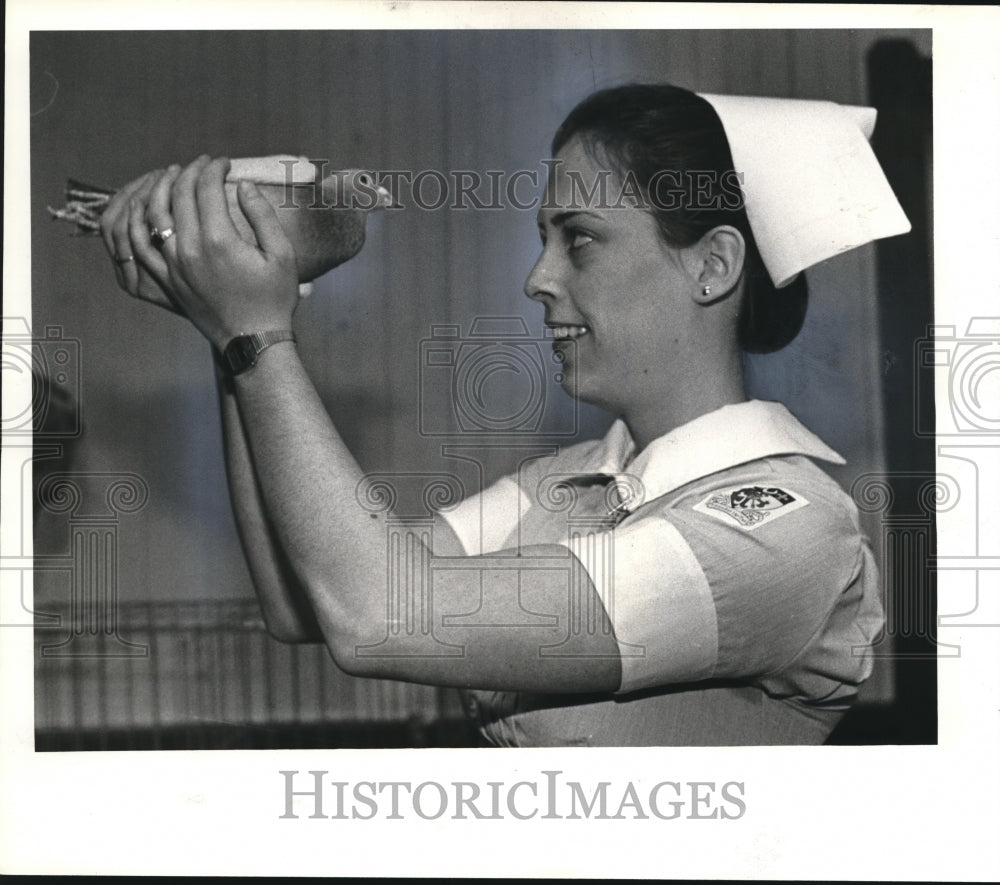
(914, 812)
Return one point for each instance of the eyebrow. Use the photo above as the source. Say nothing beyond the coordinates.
(561, 218)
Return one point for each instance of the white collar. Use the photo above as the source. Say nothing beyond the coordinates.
(732, 435)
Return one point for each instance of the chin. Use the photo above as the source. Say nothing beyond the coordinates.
(592, 394)
(570, 384)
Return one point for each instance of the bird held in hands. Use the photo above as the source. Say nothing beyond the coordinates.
(324, 217)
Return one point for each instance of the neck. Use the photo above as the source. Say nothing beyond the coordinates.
(675, 404)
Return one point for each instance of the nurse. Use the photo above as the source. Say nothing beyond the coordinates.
(706, 584)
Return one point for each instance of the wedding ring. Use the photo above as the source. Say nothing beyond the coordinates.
(124, 260)
(166, 234)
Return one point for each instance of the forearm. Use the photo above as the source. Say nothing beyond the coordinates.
(287, 612)
(382, 611)
(308, 488)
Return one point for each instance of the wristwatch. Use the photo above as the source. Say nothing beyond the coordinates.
(242, 352)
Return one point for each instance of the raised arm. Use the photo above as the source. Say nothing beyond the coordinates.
(495, 622)
(286, 611)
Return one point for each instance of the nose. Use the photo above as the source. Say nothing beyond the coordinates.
(542, 283)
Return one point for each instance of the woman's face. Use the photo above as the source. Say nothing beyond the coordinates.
(612, 288)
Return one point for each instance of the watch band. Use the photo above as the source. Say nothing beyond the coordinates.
(243, 351)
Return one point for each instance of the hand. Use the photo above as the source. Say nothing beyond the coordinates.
(131, 274)
(223, 284)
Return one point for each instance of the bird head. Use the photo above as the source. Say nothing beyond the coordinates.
(354, 189)
(325, 220)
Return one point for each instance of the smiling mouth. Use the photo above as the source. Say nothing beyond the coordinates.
(568, 333)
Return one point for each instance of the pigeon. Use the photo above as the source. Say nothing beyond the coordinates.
(324, 217)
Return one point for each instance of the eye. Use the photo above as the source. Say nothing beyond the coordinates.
(578, 238)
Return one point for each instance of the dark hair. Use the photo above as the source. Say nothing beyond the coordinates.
(665, 136)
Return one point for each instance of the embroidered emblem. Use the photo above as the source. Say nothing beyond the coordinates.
(751, 506)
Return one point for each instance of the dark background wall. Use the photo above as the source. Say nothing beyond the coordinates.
(108, 106)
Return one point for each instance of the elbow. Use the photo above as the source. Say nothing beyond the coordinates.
(350, 655)
(292, 634)
(292, 630)
(345, 648)
(356, 652)
(286, 618)
(352, 631)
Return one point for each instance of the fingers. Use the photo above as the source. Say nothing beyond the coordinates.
(184, 206)
(147, 256)
(114, 227)
(117, 209)
(213, 206)
(264, 220)
(159, 214)
(126, 269)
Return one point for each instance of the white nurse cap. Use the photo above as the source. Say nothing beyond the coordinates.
(812, 185)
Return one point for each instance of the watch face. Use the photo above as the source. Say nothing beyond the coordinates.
(241, 353)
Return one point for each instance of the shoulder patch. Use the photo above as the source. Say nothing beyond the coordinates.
(750, 507)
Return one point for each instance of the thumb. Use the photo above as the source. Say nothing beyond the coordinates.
(264, 220)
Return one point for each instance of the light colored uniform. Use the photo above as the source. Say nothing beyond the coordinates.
(743, 596)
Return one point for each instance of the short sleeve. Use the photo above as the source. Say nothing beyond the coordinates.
(780, 590)
(755, 581)
(484, 522)
(492, 519)
(657, 599)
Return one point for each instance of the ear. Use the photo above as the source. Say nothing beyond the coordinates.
(718, 267)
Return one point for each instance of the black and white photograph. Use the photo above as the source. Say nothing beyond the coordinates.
(387, 385)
